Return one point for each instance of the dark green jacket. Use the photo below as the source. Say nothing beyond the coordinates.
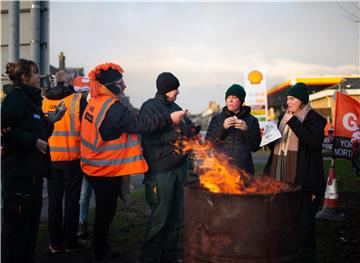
(159, 149)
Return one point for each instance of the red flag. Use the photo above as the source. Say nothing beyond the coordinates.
(347, 121)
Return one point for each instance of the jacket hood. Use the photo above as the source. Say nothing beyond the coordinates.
(59, 92)
(244, 112)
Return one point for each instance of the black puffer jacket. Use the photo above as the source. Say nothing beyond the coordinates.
(21, 112)
(159, 149)
(236, 143)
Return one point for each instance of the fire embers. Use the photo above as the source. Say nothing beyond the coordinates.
(217, 175)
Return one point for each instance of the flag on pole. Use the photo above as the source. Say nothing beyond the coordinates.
(347, 122)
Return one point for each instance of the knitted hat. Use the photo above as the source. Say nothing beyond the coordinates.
(103, 77)
(236, 90)
(166, 82)
(299, 91)
(108, 78)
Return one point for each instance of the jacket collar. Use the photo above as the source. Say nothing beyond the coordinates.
(244, 112)
(162, 99)
(33, 93)
(59, 92)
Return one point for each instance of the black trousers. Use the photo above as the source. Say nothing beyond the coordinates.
(22, 200)
(62, 228)
(106, 192)
(311, 206)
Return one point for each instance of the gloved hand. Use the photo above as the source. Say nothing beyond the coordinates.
(57, 115)
(190, 130)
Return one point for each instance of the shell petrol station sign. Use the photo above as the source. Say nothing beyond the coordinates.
(256, 95)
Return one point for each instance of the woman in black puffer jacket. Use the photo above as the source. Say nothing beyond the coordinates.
(235, 131)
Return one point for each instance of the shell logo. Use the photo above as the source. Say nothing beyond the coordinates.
(255, 77)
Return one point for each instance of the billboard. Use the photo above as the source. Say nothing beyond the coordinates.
(256, 95)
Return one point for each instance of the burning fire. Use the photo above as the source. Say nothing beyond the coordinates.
(217, 175)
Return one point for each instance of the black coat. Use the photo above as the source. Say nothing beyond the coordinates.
(159, 149)
(236, 143)
(310, 170)
(120, 119)
(21, 112)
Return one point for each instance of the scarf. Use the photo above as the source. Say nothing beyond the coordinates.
(284, 162)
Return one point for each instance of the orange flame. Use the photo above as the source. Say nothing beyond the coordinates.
(217, 175)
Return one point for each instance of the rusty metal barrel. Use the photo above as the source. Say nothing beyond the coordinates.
(228, 228)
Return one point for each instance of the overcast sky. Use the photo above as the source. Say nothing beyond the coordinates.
(208, 46)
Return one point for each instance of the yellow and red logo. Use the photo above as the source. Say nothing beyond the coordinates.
(255, 77)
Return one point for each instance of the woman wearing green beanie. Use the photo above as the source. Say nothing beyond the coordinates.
(296, 159)
(235, 131)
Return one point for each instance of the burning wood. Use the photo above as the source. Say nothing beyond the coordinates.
(217, 175)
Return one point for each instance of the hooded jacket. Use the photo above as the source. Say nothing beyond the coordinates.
(235, 143)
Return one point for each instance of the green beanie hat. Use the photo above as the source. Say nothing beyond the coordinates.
(236, 90)
(299, 91)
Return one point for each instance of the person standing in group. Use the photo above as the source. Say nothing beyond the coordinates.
(296, 159)
(25, 160)
(166, 175)
(66, 174)
(235, 131)
(110, 147)
(85, 196)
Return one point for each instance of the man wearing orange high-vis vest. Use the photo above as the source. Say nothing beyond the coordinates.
(66, 174)
(110, 147)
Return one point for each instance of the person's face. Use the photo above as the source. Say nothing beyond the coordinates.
(233, 103)
(121, 85)
(172, 94)
(293, 104)
(32, 80)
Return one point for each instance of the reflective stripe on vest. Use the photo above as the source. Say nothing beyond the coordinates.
(121, 156)
(64, 142)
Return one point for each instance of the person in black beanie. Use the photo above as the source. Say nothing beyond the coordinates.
(235, 131)
(166, 175)
(110, 148)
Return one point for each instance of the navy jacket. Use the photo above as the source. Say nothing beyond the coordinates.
(21, 112)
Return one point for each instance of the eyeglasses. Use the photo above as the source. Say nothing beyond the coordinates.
(118, 83)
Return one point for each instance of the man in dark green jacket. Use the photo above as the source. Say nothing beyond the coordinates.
(166, 175)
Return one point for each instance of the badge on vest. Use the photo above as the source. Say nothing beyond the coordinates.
(36, 116)
(89, 117)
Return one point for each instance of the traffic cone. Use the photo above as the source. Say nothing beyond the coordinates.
(331, 208)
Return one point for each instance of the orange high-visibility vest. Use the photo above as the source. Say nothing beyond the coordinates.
(119, 157)
(64, 142)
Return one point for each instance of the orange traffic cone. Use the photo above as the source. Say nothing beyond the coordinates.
(331, 208)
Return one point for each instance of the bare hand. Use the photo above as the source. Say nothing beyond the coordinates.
(5, 130)
(177, 116)
(240, 124)
(287, 117)
(230, 121)
(42, 146)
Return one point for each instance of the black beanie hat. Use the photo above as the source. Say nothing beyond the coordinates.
(236, 90)
(299, 91)
(108, 78)
(166, 82)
